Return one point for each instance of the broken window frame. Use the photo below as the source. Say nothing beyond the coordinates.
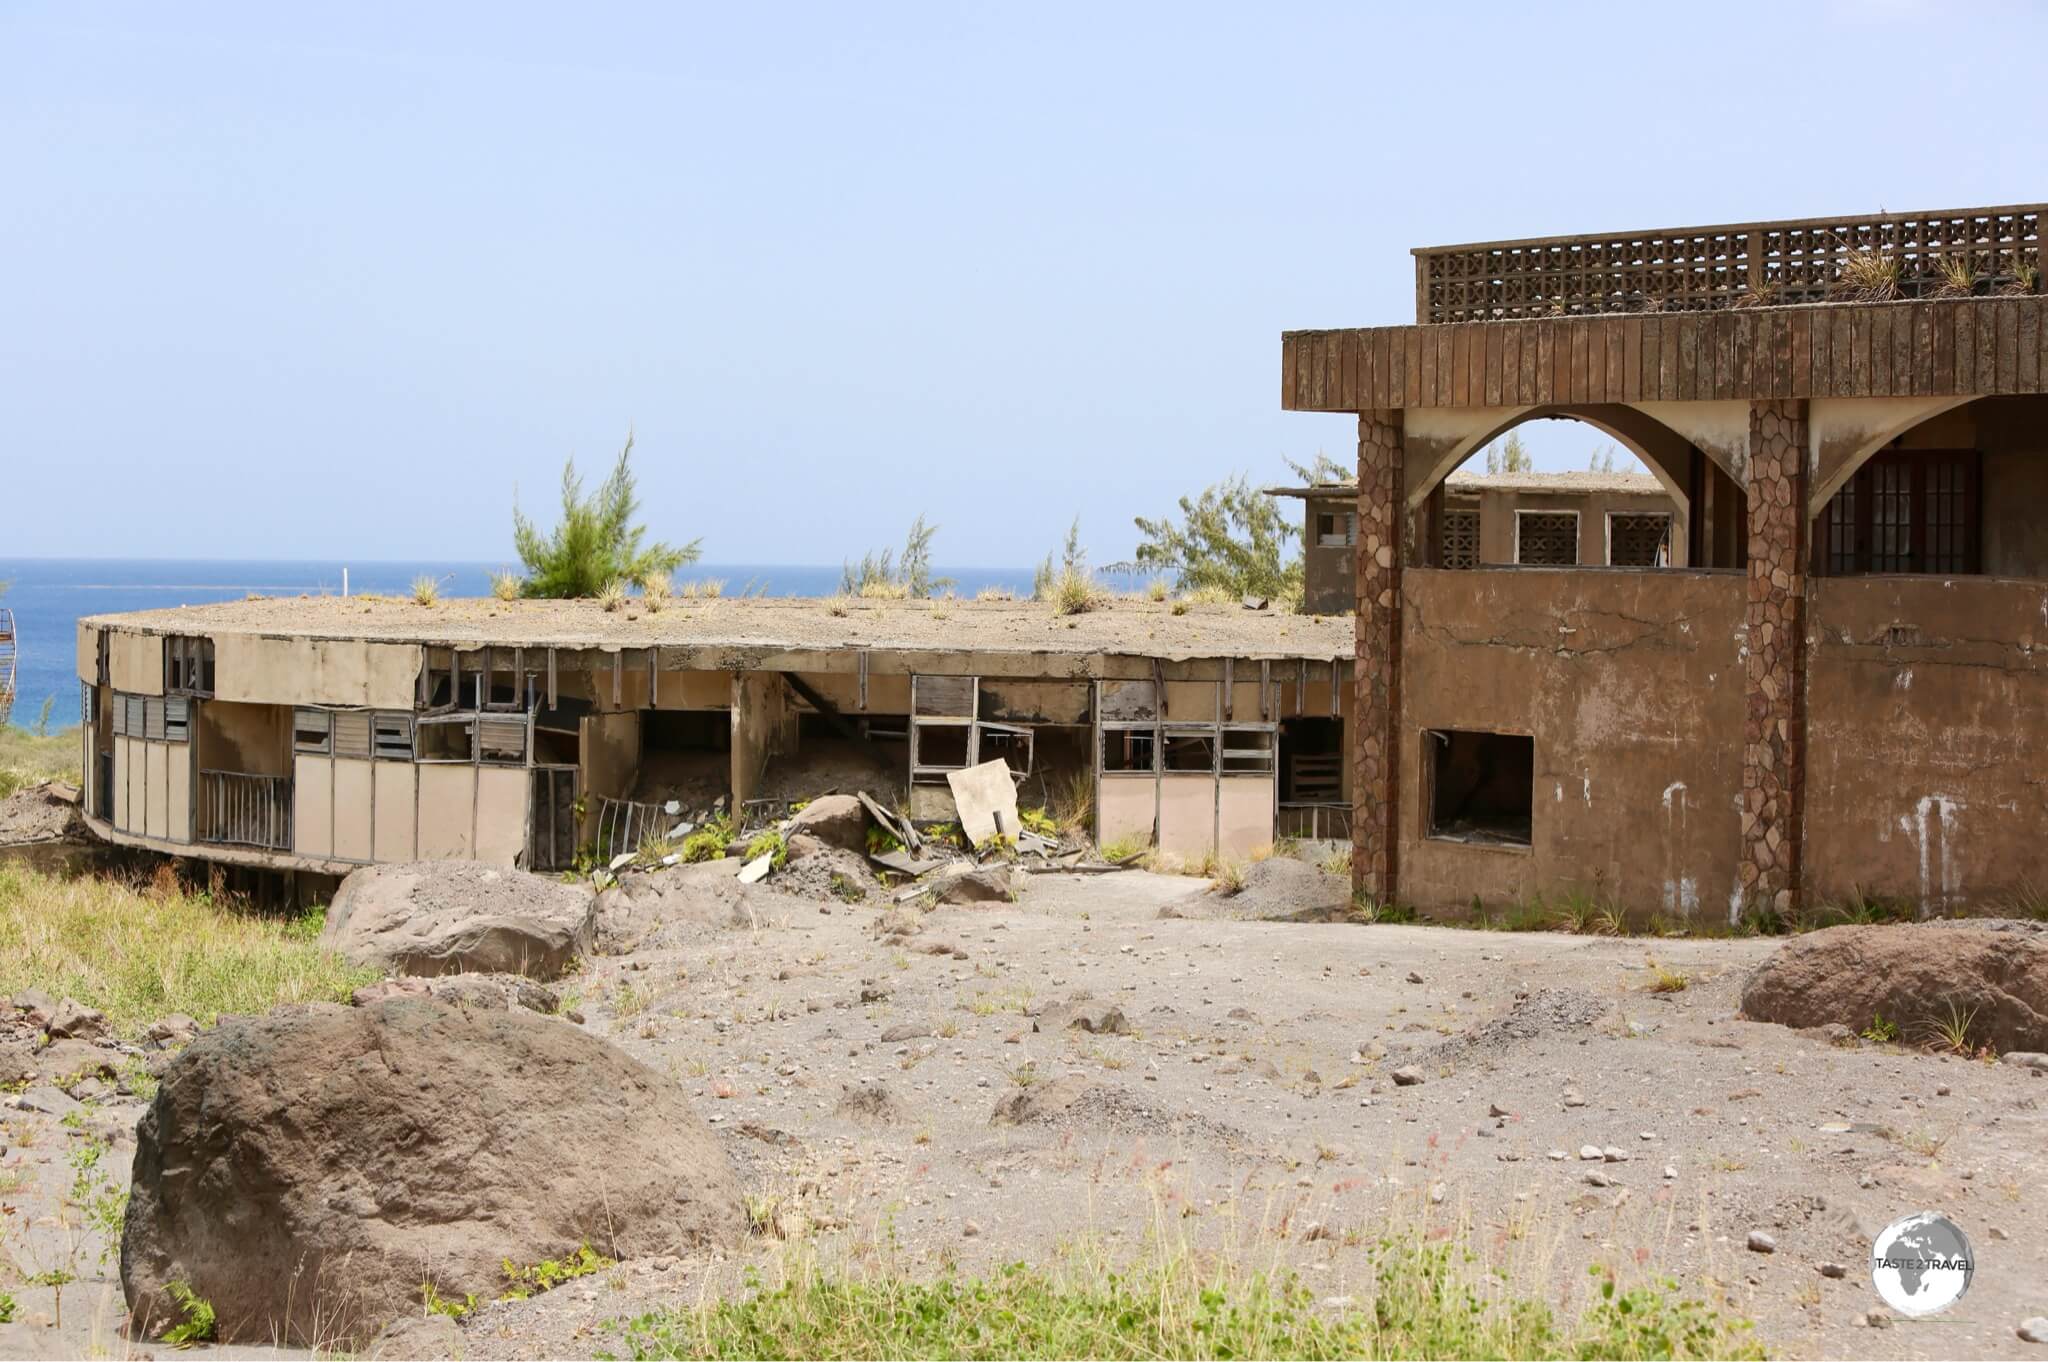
(503, 740)
(391, 735)
(188, 665)
(427, 726)
(1148, 730)
(954, 702)
(312, 732)
(1208, 733)
(177, 719)
(1261, 760)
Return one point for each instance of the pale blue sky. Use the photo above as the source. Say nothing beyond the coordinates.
(289, 280)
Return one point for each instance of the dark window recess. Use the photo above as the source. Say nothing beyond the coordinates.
(942, 745)
(1311, 760)
(1129, 749)
(1189, 752)
(447, 741)
(1547, 538)
(1482, 786)
(1638, 539)
(1906, 510)
(1461, 539)
(188, 665)
(1335, 529)
(312, 731)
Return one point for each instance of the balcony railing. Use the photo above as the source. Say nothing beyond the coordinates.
(1959, 253)
(237, 809)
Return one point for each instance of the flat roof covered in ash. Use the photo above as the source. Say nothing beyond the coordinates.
(1126, 625)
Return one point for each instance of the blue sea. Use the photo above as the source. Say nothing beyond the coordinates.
(48, 595)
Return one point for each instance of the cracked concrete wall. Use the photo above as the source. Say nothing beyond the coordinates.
(1925, 770)
(1630, 684)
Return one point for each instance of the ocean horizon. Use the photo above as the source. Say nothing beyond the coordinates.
(48, 596)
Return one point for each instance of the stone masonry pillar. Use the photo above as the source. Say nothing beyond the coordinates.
(1774, 731)
(1376, 672)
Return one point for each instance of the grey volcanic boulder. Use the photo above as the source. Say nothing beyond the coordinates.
(459, 917)
(1913, 976)
(308, 1170)
(836, 820)
(964, 883)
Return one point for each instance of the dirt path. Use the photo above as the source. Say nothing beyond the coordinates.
(1247, 1101)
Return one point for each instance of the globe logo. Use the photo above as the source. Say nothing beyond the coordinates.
(1921, 1264)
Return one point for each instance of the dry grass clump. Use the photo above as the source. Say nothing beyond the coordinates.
(1868, 276)
(704, 589)
(425, 590)
(30, 758)
(1208, 595)
(1074, 592)
(655, 590)
(995, 593)
(1957, 275)
(138, 953)
(505, 585)
(612, 596)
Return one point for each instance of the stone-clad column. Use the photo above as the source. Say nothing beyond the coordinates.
(1376, 673)
(1774, 736)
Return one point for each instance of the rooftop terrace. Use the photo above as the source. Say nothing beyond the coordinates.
(1124, 626)
(1962, 252)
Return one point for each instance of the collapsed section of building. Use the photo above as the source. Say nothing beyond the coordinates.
(320, 734)
(1825, 684)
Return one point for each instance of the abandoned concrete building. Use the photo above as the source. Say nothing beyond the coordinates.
(1543, 519)
(319, 734)
(1837, 689)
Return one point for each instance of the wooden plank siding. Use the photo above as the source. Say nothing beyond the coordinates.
(1920, 348)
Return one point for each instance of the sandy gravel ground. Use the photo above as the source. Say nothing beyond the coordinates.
(1247, 1103)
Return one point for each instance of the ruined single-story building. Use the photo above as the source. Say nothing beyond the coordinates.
(1542, 519)
(319, 734)
(1839, 691)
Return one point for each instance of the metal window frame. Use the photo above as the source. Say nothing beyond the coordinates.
(323, 721)
(386, 721)
(424, 723)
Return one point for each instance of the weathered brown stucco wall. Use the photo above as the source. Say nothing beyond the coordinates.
(1630, 684)
(1924, 747)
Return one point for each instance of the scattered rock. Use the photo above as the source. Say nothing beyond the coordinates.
(459, 917)
(2034, 1329)
(1834, 1270)
(906, 1031)
(298, 1169)
(1102, 1019)
(34, 1005)
(870, 1104)
(1590, 1153)
(1040, 1101)
(1598, 1179)
(1614, 1154)
(429, 1338)
(975, 884)
(1407, 1076)
(73, 1020)
(1495, 1109)
(1912, 972)
(493, 991)
(47, 1100)
(1414, 978)
(168, 1033)
(2025, 1059)
(1759, 1242)
(836, 820)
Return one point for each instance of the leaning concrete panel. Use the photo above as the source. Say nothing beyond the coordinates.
(135, 662)
(1125, 808)
(1244, 815)
(313, 806)
(392, 831)
(500, 813)
(1187, 815)
(447, 811)
(88, 655)
(353, 782)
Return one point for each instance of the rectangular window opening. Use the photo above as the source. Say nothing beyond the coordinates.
(1547, 538)
(1482, 786)
(1638, 539)
(1185, 751)
(446, 740)
(312, 731)
(1461, 539)
(391, 737)
(944, 747)
(1129, 750)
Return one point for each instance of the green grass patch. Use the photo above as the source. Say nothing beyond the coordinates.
(29, 758)
(1427, 1301)
(140, 952)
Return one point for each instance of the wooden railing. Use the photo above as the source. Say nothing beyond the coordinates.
(1953, 254)
(238, 809)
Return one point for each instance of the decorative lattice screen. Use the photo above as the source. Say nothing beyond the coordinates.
(1547, 538)
(1461, 539)
(1638, 540)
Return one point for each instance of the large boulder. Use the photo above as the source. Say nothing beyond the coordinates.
(837, 820)
(459, 917)
(1916, 976)
(309, 1170)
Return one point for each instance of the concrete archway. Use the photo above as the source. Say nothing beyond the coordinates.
(1447, 444)
(1845, 433)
